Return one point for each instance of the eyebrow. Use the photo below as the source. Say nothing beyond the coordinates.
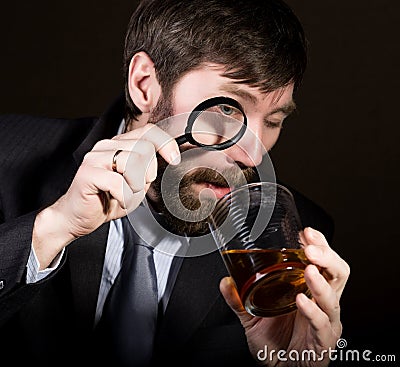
(229, 88)
(286, 109)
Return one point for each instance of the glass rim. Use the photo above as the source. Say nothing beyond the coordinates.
(249, 186)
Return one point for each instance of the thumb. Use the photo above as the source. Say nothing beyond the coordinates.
(229, 292)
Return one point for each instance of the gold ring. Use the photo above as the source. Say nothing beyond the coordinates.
(114, 160)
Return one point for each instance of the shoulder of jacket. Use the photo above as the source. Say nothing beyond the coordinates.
(25, 137)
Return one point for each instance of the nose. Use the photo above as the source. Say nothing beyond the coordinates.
(248, 150)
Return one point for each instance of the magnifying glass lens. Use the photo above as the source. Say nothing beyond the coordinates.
(217, 125)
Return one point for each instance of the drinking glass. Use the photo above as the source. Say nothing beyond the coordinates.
(256, 228)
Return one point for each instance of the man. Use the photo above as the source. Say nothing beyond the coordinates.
(66, 187)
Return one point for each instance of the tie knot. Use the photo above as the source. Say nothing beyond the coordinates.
(131, 237)
(145, 245)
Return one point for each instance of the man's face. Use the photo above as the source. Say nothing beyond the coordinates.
(213, 170)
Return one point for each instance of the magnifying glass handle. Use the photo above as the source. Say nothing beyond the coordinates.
(182, 139)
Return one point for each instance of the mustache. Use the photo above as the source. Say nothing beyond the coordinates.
(236, 175)
(233, 176)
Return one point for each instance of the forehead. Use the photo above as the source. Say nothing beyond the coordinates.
(207, 81)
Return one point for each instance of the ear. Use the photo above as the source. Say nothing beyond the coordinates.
(143, 85)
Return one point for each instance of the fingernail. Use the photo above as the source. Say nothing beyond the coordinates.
(314, 270)
(175, 158)
(302, 298)
(310, 233)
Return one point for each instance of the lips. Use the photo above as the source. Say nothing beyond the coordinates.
(215, 182)
(219, 191)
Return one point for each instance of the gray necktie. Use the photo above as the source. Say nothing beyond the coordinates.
(130, 313)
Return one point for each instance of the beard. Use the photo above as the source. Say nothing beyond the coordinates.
(196, 206)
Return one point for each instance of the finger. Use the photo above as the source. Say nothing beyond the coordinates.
(106, 181)
(140, 165)
(103, 152)
(319, 321)
(318, 251)
(138, 168)
(164, 143)
(116, 185)
(231, 296)
(125, 144)
(228, 290)
(143, 164)
(310, 310)
(324, 295)
(139, 171)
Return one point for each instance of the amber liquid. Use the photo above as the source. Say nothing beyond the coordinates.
(268, 280)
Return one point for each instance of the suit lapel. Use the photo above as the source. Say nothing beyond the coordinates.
(195, 291)
(86, 258)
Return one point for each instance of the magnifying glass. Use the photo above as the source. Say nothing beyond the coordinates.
(215, 124)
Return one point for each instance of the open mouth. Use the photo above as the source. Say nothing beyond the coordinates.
(211, 183)
(219, 191)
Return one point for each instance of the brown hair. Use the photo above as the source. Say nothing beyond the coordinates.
(260, 42)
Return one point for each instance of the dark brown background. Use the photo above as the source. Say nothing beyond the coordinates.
(63, 59)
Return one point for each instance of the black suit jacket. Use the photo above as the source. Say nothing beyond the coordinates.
(51, 321)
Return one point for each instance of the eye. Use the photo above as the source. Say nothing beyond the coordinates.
(273, 124)
(227, 110)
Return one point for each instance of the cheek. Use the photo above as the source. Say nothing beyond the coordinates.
(270, 137)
